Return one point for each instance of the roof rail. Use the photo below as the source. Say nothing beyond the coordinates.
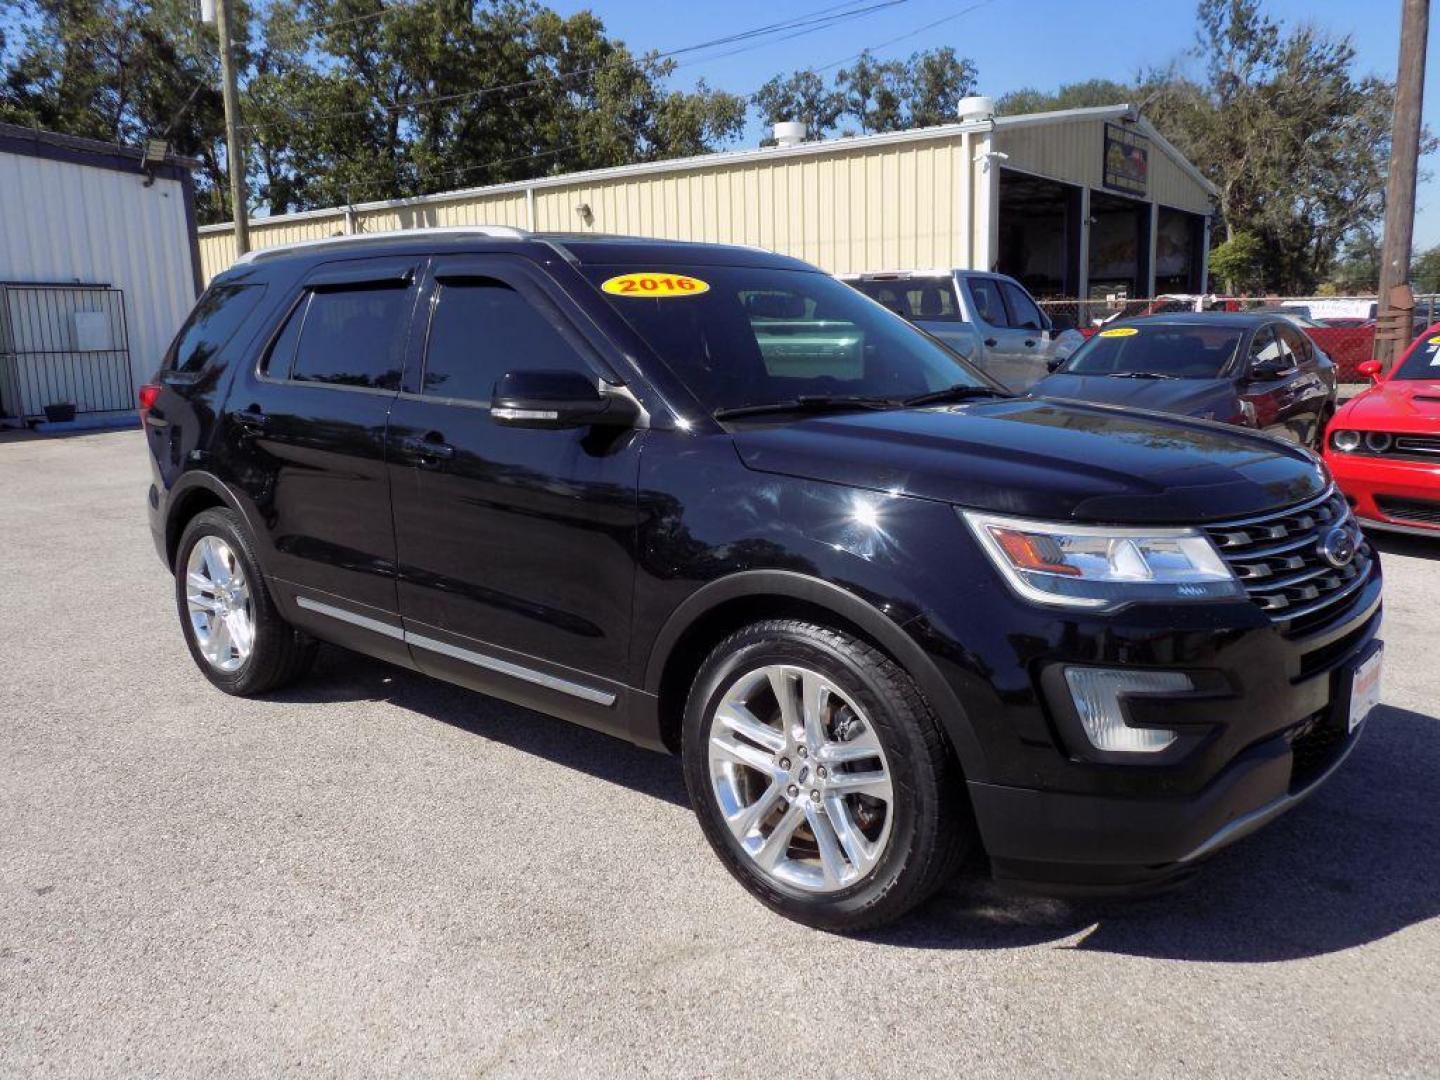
(495, 232)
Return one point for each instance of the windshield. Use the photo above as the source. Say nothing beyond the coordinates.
(1423, 361)
(1179, 351)
(739, 336)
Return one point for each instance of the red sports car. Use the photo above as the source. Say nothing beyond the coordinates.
(1384, 446)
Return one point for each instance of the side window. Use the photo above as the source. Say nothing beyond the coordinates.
(1023, 312)
(481, 329)
(985, 295)
(1297, 342)
(217, 315)
(277, 362)
(1264, 348)
(354, 337)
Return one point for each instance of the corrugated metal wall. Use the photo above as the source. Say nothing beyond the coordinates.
(1074, 153)
(886, 206)
(63, 222)
(868, 204)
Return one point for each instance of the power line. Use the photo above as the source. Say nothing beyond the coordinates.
(903, 37)
(810, 22)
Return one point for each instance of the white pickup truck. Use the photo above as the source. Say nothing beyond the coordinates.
(988, 318)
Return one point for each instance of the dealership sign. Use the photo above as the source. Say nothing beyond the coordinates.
(1127, 160)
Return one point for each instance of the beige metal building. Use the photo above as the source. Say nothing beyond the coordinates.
(1084, 202)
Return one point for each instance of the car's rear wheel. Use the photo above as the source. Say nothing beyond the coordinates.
(236, 636)
(820, 777)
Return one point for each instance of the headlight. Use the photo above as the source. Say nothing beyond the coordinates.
(1103, 566)
(1346, 442)
(1377, 442)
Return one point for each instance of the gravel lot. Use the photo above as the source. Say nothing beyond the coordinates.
(379, 874)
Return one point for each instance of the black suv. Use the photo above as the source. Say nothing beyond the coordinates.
(714, 501)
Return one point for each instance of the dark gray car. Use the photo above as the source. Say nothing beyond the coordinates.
(1257, 371)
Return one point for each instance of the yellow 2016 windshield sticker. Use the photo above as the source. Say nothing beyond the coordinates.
(1120, 331)
(655, 286)
(1434, 340)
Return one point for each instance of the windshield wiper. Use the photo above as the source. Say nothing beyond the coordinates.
(1139, 375)
(806, 403)
(958, 392)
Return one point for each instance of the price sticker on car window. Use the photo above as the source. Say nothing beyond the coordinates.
(655, 286)
(1120, 331)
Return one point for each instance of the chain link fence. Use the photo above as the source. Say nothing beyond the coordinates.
(1342, 326)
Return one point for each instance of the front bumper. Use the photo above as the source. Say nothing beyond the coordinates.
(1364, 478)
(1267, 731)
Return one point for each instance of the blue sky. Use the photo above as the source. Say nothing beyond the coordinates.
(1014, 43)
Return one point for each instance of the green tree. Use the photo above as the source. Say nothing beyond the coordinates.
(801, 96)
(1425, 270)
(1239, 263)
(1080, 95)
(875, 93)
(1295, 142)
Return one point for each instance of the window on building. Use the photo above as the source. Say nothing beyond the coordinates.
(482, 328)
(354, 337)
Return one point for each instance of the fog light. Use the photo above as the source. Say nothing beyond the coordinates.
(1098, 692)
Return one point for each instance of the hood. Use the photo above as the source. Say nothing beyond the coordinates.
(1209, 399)
(1411, 406)
(1043, 459)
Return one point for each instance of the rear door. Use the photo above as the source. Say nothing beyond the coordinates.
(1306, 393)
(516, 546)
(308, 424)
(1264, 398)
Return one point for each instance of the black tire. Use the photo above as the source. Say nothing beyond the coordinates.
(931, 829)
(280, 654)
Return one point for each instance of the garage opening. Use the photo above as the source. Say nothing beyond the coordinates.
(1179, 252)
(1119, 247)
(1040, 234)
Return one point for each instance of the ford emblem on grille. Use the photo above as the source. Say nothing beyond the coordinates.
(1337, 547)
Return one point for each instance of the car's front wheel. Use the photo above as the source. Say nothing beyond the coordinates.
(235, 634)
(820, 777)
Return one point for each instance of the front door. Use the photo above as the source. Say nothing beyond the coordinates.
(1005, 356)
(516, 546)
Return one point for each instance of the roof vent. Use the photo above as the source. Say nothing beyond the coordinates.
(789, 133)
(976, 108)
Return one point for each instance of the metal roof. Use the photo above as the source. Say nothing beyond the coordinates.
(769, 153)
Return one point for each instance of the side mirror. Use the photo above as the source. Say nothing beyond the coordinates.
(1062, 322)
(1371, 369)
(1053, 364)
(556, 399)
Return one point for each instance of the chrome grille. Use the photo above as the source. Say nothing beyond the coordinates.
(1277, 558)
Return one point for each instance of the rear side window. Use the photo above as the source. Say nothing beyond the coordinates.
(481, 329)
(217, 315)
(985, 295)
(354, 337)
(1297, 342)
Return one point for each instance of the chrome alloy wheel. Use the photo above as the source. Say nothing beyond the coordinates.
(800, 778)
(217, 595)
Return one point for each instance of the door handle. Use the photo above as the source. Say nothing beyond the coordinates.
(1030, 342)
(429, 449)
(252, 419)
(991, 342)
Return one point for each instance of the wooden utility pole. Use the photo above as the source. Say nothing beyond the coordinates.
(1397, 304)
(234, 152)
